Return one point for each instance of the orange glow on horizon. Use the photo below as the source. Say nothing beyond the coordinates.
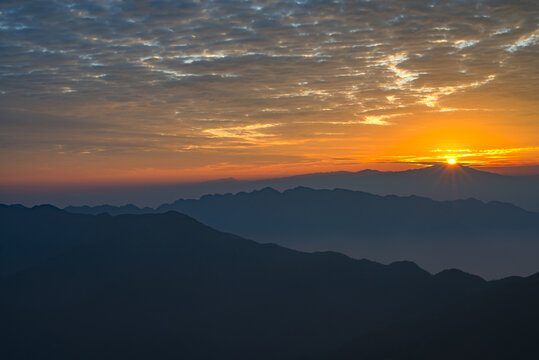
(395, 147)
(384, 99)
(154, 176)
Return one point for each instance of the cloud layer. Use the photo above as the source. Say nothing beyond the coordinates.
(184, 85)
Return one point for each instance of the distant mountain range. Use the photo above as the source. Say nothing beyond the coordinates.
(164, 286)
(439, 182)
(492, 239)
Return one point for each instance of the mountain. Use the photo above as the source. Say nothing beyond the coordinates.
(473, 328)
(439, 182)
(166, 286)
(109, 209)
(491, 239)
(26, 236)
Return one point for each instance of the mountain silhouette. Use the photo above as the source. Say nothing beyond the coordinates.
(166, 286)
(492, 239)
(439, 182)
(472, 328)
(26, 237)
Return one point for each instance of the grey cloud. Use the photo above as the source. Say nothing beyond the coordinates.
(155, 62)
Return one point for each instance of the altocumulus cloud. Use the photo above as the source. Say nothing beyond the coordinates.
(133, 76)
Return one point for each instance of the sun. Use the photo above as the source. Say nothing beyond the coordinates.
(451, 161)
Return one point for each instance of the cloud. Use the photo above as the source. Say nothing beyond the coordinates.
(219, 72)
(248, 132)
(379, 120)
(476, 157)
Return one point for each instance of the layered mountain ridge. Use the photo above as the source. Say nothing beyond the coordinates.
(166, 286)
(439, 182)
(493, 239)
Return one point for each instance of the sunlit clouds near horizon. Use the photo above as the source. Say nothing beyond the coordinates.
(153, 90)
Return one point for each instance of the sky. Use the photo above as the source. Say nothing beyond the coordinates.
(102, 92)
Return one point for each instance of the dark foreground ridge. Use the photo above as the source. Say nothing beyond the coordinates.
(166, 286)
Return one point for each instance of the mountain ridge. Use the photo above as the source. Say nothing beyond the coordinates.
(440, 182)
(167, 286)
(464, 233)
